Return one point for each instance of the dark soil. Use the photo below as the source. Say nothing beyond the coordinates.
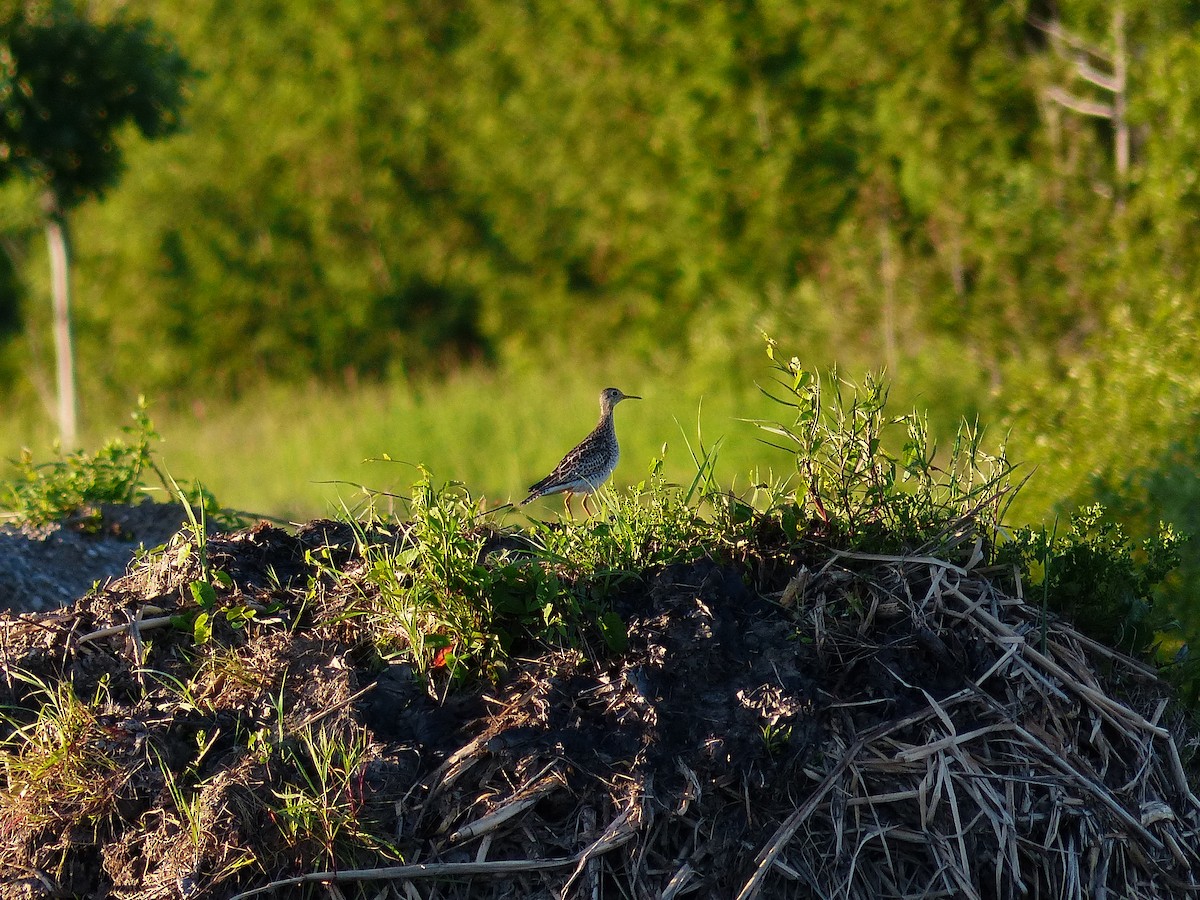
(686, 751)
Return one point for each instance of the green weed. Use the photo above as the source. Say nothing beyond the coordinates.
(776, 738)
(1096, 577)
(874, 479)
(204, 588)
(429, 594)
(453, 592)
(321, 798)
(186, 801)
(74, 485)
(56, 767)
(652, 523)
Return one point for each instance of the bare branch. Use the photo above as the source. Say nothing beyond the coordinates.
(1055, 31)
(1100, 79)
(1080, 105)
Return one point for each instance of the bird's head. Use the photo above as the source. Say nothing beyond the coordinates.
(610, 397)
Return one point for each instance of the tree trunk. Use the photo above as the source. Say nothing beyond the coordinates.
(888, 275)
(64, 355)
(1120, 102)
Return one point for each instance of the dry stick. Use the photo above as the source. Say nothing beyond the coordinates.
(484, 846)
(1180, 776)
(951, 741)
(1114, 712)
(142, 625)
(590, 887)
(679, 881)
(1099, 791)
(448, 772)
(976, 784)
(879, 830)
(419, 870)
(444, 870)
(320, 714)
(1008, 641)
(793, 822)
(498, 817)
(892, 797)
(1008, 654)
(1109, 653)
(952, 801)
(903, 560)
(936, 574)
(1101, 703)
(617, 833)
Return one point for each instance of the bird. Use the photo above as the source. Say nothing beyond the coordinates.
(592, 460)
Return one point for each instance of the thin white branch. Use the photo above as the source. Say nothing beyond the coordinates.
(1080, 105)
(1056, 32)
(1100, 79)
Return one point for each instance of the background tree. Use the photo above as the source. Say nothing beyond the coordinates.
(68, 85)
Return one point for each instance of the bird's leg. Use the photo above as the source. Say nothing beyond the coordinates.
(567, 503)
(586, 510)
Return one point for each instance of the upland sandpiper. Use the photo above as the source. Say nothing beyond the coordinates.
(591, 462)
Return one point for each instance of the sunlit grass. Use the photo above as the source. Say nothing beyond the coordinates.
(298, 451)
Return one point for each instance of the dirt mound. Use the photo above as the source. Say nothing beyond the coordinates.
(816, 724)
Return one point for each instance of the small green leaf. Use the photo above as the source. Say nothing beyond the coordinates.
(203, 594)
(613, 631)
(202, 628)
(239, 616)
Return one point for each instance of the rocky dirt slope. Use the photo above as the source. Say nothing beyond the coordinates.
(50, 566)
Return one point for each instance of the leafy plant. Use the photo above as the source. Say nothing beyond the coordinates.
(76, 484)
(454, 594)
(653, 523)
(431, 595)
(321, 800)
(204, 588)
(1094, 575)
(776, 738)
(875, 478)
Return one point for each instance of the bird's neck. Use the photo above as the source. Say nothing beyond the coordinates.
(606, 419)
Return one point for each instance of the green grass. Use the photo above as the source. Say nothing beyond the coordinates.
(284, 452)
(297, 451)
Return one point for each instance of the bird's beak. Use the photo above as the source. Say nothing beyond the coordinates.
(629, 397)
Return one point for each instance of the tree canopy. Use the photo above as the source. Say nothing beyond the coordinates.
(378, 186)
(68, 85)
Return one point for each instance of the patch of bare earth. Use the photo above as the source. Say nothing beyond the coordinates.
(816, 725)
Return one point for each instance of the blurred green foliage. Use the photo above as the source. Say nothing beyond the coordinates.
(375, 187)
(1097, 577)
(75, 485)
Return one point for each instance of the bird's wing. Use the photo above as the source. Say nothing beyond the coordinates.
(567, 464)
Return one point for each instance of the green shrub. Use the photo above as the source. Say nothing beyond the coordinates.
(74, 485)
(874, 479)
(1096, 577)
